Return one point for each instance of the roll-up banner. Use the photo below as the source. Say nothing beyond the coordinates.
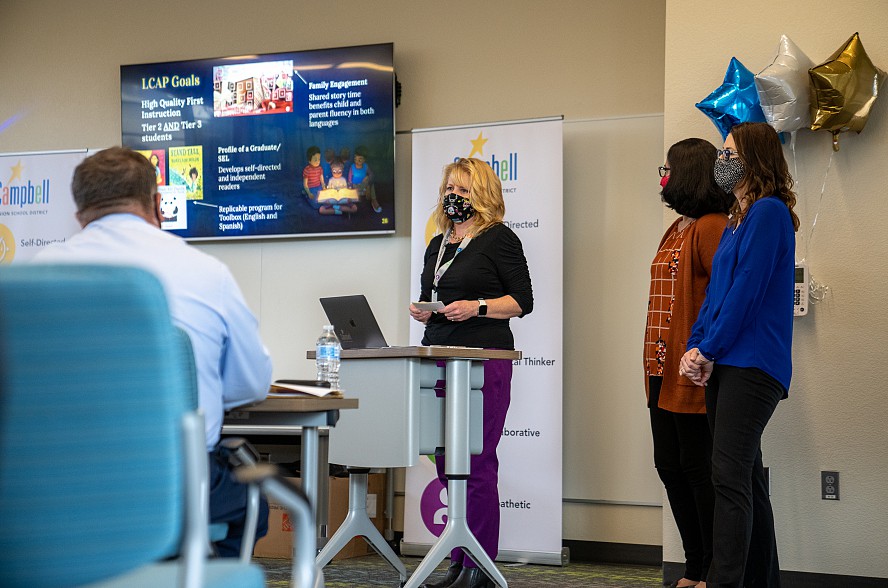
(36, 207)
(527, 157)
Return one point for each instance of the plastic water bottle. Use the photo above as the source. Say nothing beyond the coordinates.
(327, 357)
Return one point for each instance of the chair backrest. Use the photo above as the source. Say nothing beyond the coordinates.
(93, 388)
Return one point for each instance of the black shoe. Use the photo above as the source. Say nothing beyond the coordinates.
(453, 573)
(472, 578)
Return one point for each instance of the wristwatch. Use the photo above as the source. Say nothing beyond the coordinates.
(482, 307)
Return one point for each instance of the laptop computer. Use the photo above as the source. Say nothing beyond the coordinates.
(353, 322)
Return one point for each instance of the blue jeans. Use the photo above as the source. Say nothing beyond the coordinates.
(739, 403)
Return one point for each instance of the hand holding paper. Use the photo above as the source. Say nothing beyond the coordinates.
(429, 306)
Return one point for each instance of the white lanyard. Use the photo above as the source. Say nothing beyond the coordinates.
(440, 269)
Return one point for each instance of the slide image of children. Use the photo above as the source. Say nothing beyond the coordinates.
(360, 177)
(344, 198)
(329, 158)
(337, 182)
(313, 175)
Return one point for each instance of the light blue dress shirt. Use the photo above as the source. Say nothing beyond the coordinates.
(233, 366)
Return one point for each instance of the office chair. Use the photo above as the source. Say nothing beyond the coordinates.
(305, 570)
(103, 464)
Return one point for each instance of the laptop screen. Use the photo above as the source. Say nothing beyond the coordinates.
(353, 322)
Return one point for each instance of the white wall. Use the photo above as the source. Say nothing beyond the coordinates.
(459, 62)
(835, 416)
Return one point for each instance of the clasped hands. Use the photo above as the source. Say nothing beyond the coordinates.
(696, 367)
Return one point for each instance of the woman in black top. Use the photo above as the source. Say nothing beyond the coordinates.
(477, 268)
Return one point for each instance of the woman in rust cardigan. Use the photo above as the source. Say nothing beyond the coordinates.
(679, 276)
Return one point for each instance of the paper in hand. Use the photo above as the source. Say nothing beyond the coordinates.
(429, 306)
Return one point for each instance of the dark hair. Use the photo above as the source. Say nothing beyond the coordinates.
(113, 178)
(362, 151)
(193, 172)
(312, 151)
(691, 189)
(767, 173)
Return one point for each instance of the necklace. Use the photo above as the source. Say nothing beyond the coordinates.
(454, 239)
(441, 268)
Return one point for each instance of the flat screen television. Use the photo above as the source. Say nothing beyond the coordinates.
(268, 146)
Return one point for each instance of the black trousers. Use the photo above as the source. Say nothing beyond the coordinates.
(739, 403)
(682, 456)
(228, 504)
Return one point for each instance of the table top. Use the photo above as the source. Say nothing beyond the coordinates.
(427, 352)
(299, 404)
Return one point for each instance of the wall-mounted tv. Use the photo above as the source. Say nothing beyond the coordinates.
(268, 146)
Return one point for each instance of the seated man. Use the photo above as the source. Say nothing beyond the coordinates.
(118, 208)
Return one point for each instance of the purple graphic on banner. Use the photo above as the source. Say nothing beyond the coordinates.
(433, 507)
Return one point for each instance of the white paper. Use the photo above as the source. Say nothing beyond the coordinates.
(429, 306)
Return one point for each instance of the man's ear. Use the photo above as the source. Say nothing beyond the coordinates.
(158, 217)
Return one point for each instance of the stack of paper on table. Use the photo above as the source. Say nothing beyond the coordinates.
(296, 388)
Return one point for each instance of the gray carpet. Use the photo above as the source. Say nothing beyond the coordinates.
(372, 570)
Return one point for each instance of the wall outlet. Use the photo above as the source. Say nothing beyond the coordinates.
(829, 485)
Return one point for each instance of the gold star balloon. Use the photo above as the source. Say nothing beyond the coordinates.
(843, 90)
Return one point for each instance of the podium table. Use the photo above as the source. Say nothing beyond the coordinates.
(399, 420)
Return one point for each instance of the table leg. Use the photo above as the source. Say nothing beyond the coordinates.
(457, 469)
(310, 448)
(323, 505)
(358, 524)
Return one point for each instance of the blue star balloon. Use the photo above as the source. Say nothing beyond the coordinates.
(735, 101)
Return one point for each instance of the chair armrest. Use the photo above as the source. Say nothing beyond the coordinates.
(305, 572)
(241, 452)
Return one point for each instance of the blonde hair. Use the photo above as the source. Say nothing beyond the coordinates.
(485, 194)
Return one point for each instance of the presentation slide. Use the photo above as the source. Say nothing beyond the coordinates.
(268, 146)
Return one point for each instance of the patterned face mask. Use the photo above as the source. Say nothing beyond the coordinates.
(457, 208)
(728, 172)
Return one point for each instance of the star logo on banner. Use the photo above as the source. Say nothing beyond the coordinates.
(16, 173)
(478, 145)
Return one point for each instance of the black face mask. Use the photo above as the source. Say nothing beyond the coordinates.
(457, 208)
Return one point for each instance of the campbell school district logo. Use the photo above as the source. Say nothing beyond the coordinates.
(7, 244)
(433, 507)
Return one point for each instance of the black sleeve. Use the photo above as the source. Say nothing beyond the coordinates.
(513, 271)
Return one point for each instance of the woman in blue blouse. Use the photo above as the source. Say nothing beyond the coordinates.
(741, 349)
